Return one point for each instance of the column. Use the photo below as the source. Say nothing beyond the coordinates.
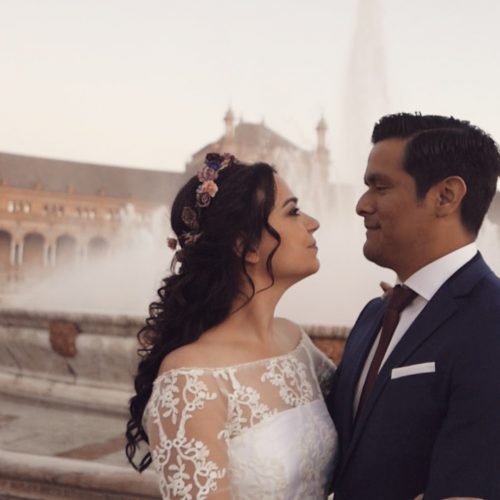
(13, 252)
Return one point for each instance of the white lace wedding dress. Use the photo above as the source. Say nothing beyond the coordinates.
(257, 430)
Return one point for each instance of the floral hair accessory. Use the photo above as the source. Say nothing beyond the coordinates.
(190, 218)
(206, 190)
(207, 176)
(172, 243)
(189, 238)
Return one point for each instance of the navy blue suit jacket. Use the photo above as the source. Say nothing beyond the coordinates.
(436, 432)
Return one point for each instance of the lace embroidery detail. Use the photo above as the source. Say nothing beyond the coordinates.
(316, 445)
(244, 406)
(289, 375)
(260, 430)
(174, 479)
(256, 473)
(324, 372)
(276, 462)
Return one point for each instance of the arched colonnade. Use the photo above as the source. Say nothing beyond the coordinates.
(32, 249)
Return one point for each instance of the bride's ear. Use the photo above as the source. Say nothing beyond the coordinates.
(252, 255)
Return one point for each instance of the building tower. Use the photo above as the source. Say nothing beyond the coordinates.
(228, 141)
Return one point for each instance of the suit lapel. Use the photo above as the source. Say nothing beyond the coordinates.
(353, 362)
(434, 314)
(441, 307)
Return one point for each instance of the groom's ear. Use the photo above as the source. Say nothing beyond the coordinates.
(448, 195)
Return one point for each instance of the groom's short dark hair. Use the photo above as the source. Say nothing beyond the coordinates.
(440, 147)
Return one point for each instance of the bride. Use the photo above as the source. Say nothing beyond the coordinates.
(229, 399)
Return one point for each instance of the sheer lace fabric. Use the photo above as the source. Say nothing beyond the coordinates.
(256, 430)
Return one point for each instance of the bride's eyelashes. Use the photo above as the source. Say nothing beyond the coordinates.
(294, 211)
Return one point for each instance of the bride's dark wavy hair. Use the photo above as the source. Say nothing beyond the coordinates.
(206, 276)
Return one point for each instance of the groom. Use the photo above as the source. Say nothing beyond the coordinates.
(416, 399)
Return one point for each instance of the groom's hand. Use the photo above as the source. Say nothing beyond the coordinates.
(387, 289)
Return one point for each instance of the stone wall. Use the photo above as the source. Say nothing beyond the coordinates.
(24, 476)
(330, 339)
(87, 360)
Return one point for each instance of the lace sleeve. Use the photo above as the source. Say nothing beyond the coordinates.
(323, 366)
(185, 421)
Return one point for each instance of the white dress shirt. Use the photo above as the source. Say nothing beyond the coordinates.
(425, 282)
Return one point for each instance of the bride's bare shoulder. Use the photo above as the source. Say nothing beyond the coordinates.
(187, 356)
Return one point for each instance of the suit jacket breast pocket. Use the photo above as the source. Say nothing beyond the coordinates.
(412, 392)
(412, 370)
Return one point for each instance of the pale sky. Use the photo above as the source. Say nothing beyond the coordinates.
(146, 83)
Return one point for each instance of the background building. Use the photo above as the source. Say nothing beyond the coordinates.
(56, 214)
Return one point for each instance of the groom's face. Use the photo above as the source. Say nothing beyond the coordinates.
(398, 225)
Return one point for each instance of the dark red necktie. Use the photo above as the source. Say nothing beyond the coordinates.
(401, 297)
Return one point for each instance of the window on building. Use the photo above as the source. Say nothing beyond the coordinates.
(86, 212)
(53, 209)
(18, 206)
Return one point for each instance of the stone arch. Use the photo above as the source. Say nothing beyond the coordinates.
(98, 247)
(33, 248)
(5, 249)
(66, 251)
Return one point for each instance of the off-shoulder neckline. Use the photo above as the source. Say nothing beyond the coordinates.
(301, 342)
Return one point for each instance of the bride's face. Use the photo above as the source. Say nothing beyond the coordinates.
(297, 254)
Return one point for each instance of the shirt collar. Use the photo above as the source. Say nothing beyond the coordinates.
(427, 280)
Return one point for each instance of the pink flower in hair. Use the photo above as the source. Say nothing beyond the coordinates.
(210, 187)
(207, 174)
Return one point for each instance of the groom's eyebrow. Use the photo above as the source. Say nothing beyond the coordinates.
(374, 178)
(293, 199)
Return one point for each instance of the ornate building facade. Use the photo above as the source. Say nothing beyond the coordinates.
(57, 214)
(307, 170)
